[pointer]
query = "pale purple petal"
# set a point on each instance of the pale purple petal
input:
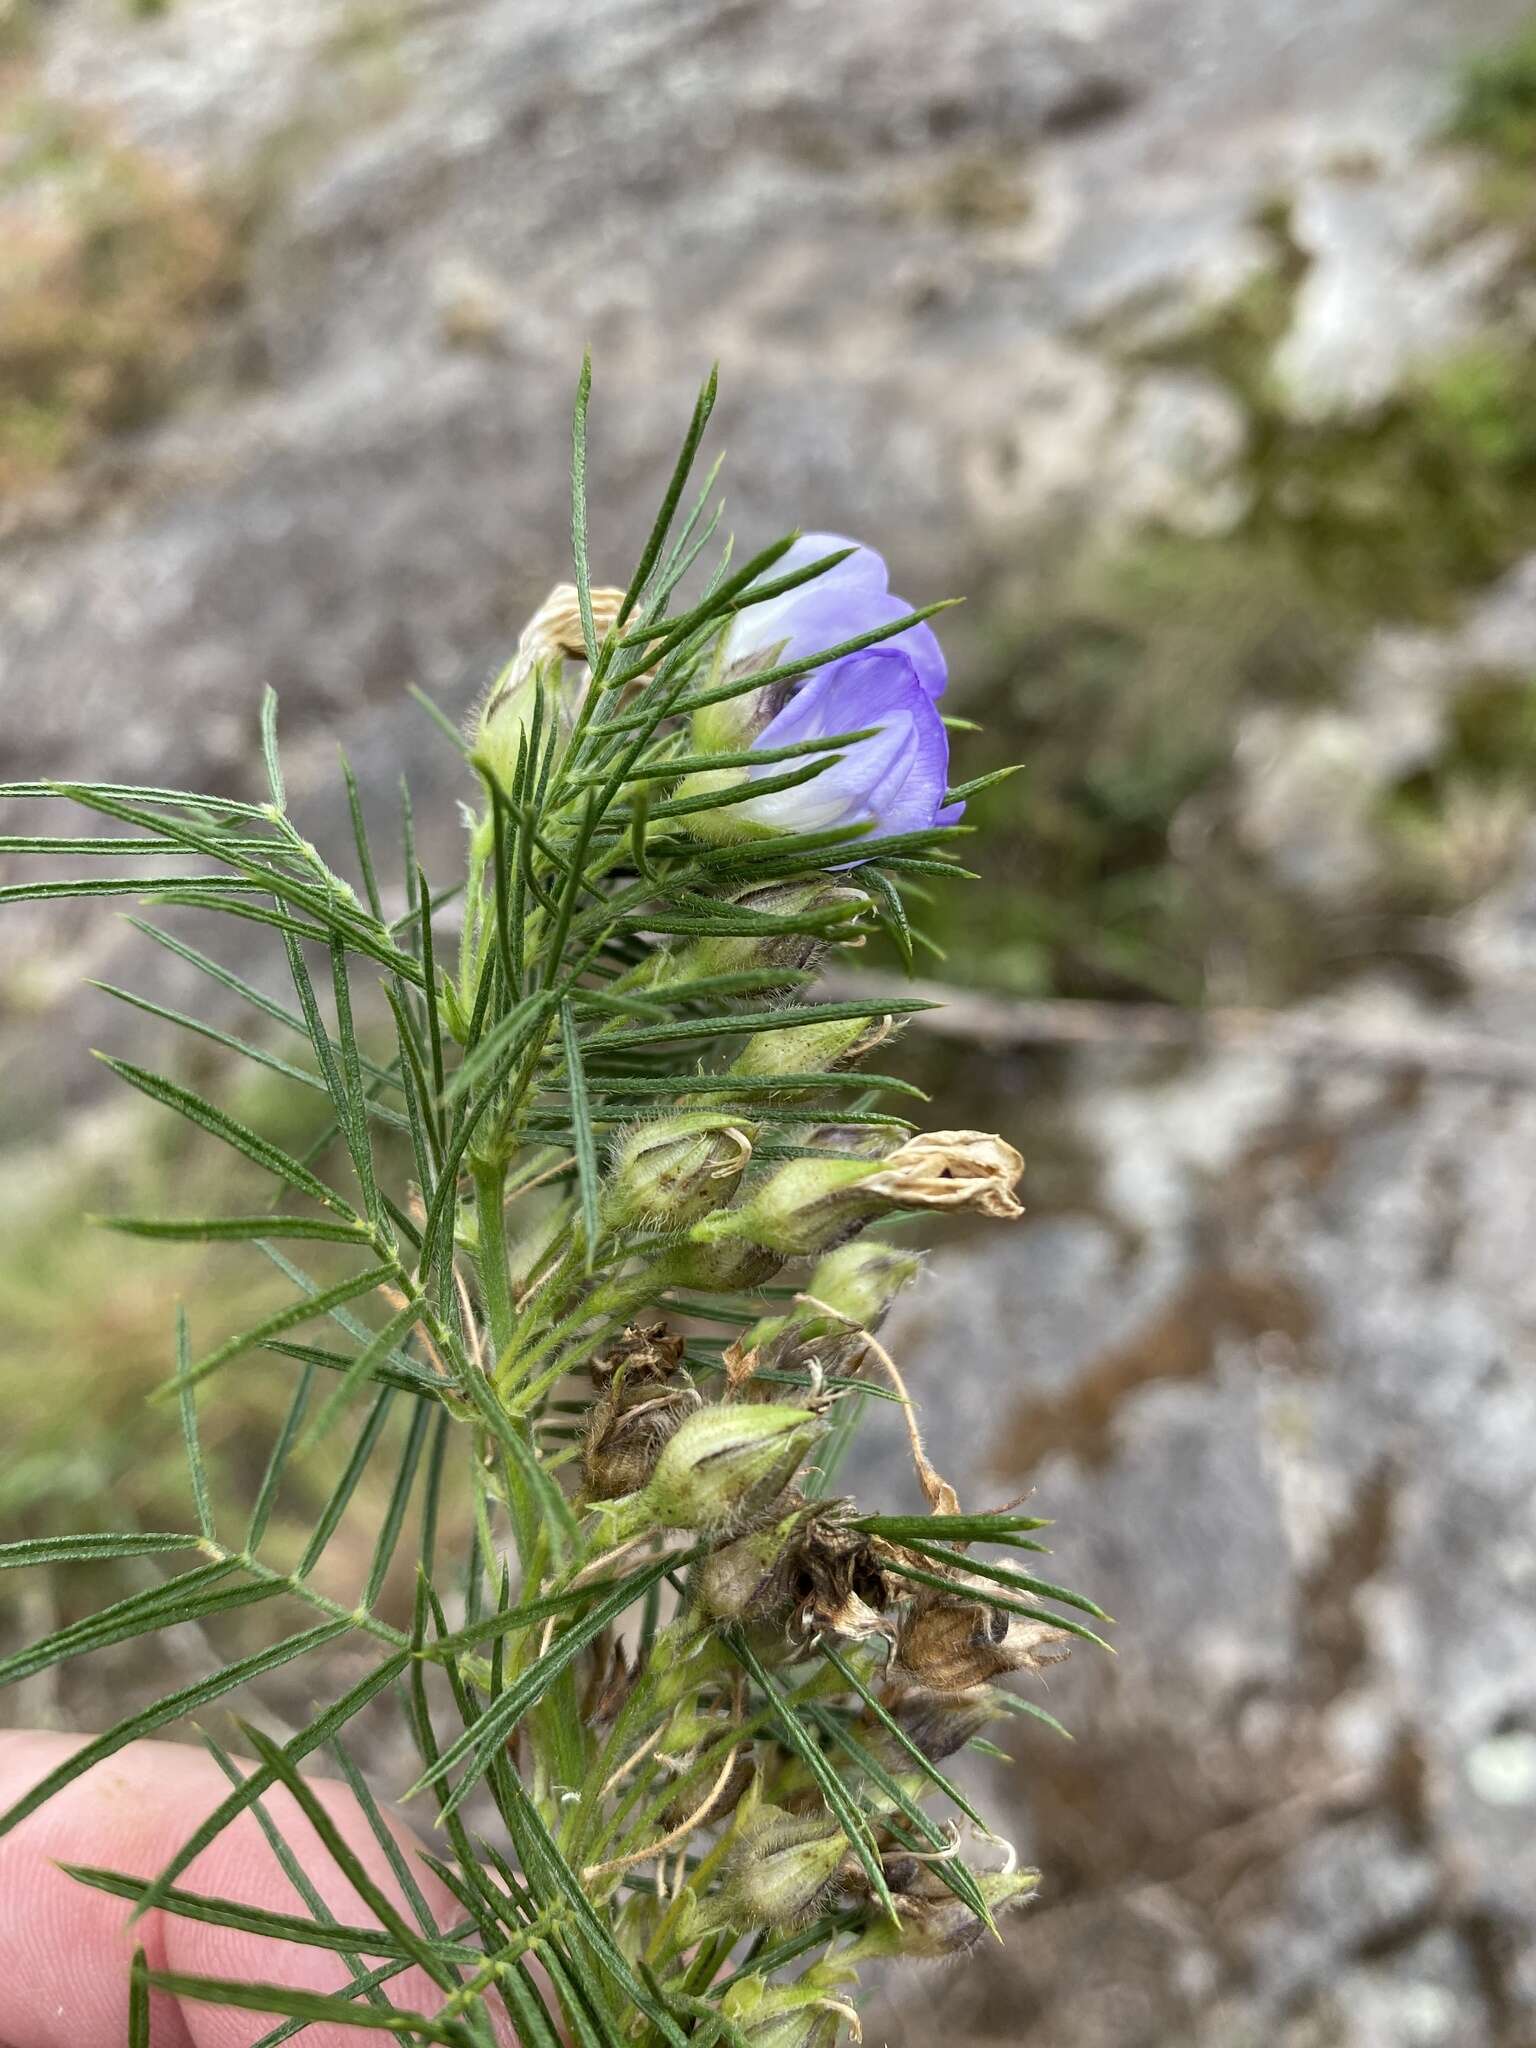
(846, 601)
(894, 780)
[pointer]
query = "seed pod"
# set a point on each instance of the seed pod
(940, 1724)
(782, 1869)
(803, 1207)
(950, 1642)
(670, 1172)
(741, 1580)
(729, 1462)
(806, 2029)
(807, 1572)
(808, 2013)
(732, 1268)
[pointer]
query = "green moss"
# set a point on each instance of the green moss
(1109, 869)
(87, 1316)
(1451, 828)
(18, 28)
(972, 193)
(113, 271)
(1496, 101)
(1395, 515)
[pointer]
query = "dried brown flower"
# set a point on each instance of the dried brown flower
(808, 1572)
(641, 1353)
(951, 1170)
(627, 1431)
(949, 1642)
(940, 1724)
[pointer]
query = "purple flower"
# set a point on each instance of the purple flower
(894, 781)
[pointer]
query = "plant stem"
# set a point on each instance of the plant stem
(490, 1179)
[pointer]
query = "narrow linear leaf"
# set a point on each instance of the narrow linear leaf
(138, 2001)
(491, 1728)
(217, 1229)
(581, 1131)
(196, 1470)
(306, 2005)
(1003, 1601)
(342, 1492)
(1006, 1575)
(360, 840)
(257, 1149)
(259, 1920)
(188, 1700)
(788, 1017)
(269, 748)
(363, 1368)
(277, 1461)
(957, 1528)
(704, 405)
(182, 1598)
(346, 1860)
(893, 1728)
(579, 508)
(539, 1850)
(322, 1730)
(32, 1550)
(839, 1801)
(277, 1325)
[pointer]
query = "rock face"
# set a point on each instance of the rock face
(1263, 1348)
(1269, 1370)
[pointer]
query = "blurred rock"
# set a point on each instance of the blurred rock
(1269, 1371)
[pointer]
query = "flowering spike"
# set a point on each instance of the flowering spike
(600, 1128)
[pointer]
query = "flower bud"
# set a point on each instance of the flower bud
(859, 1281)
(734, 722)
(552, 637)
(808, 896)
(729, 1462)
(810, 1048)
(676, 1169)
(732, 1268)
(782, 1869)
(949, 1642)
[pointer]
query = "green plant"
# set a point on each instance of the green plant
(550, 1228)
(1496, 102)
